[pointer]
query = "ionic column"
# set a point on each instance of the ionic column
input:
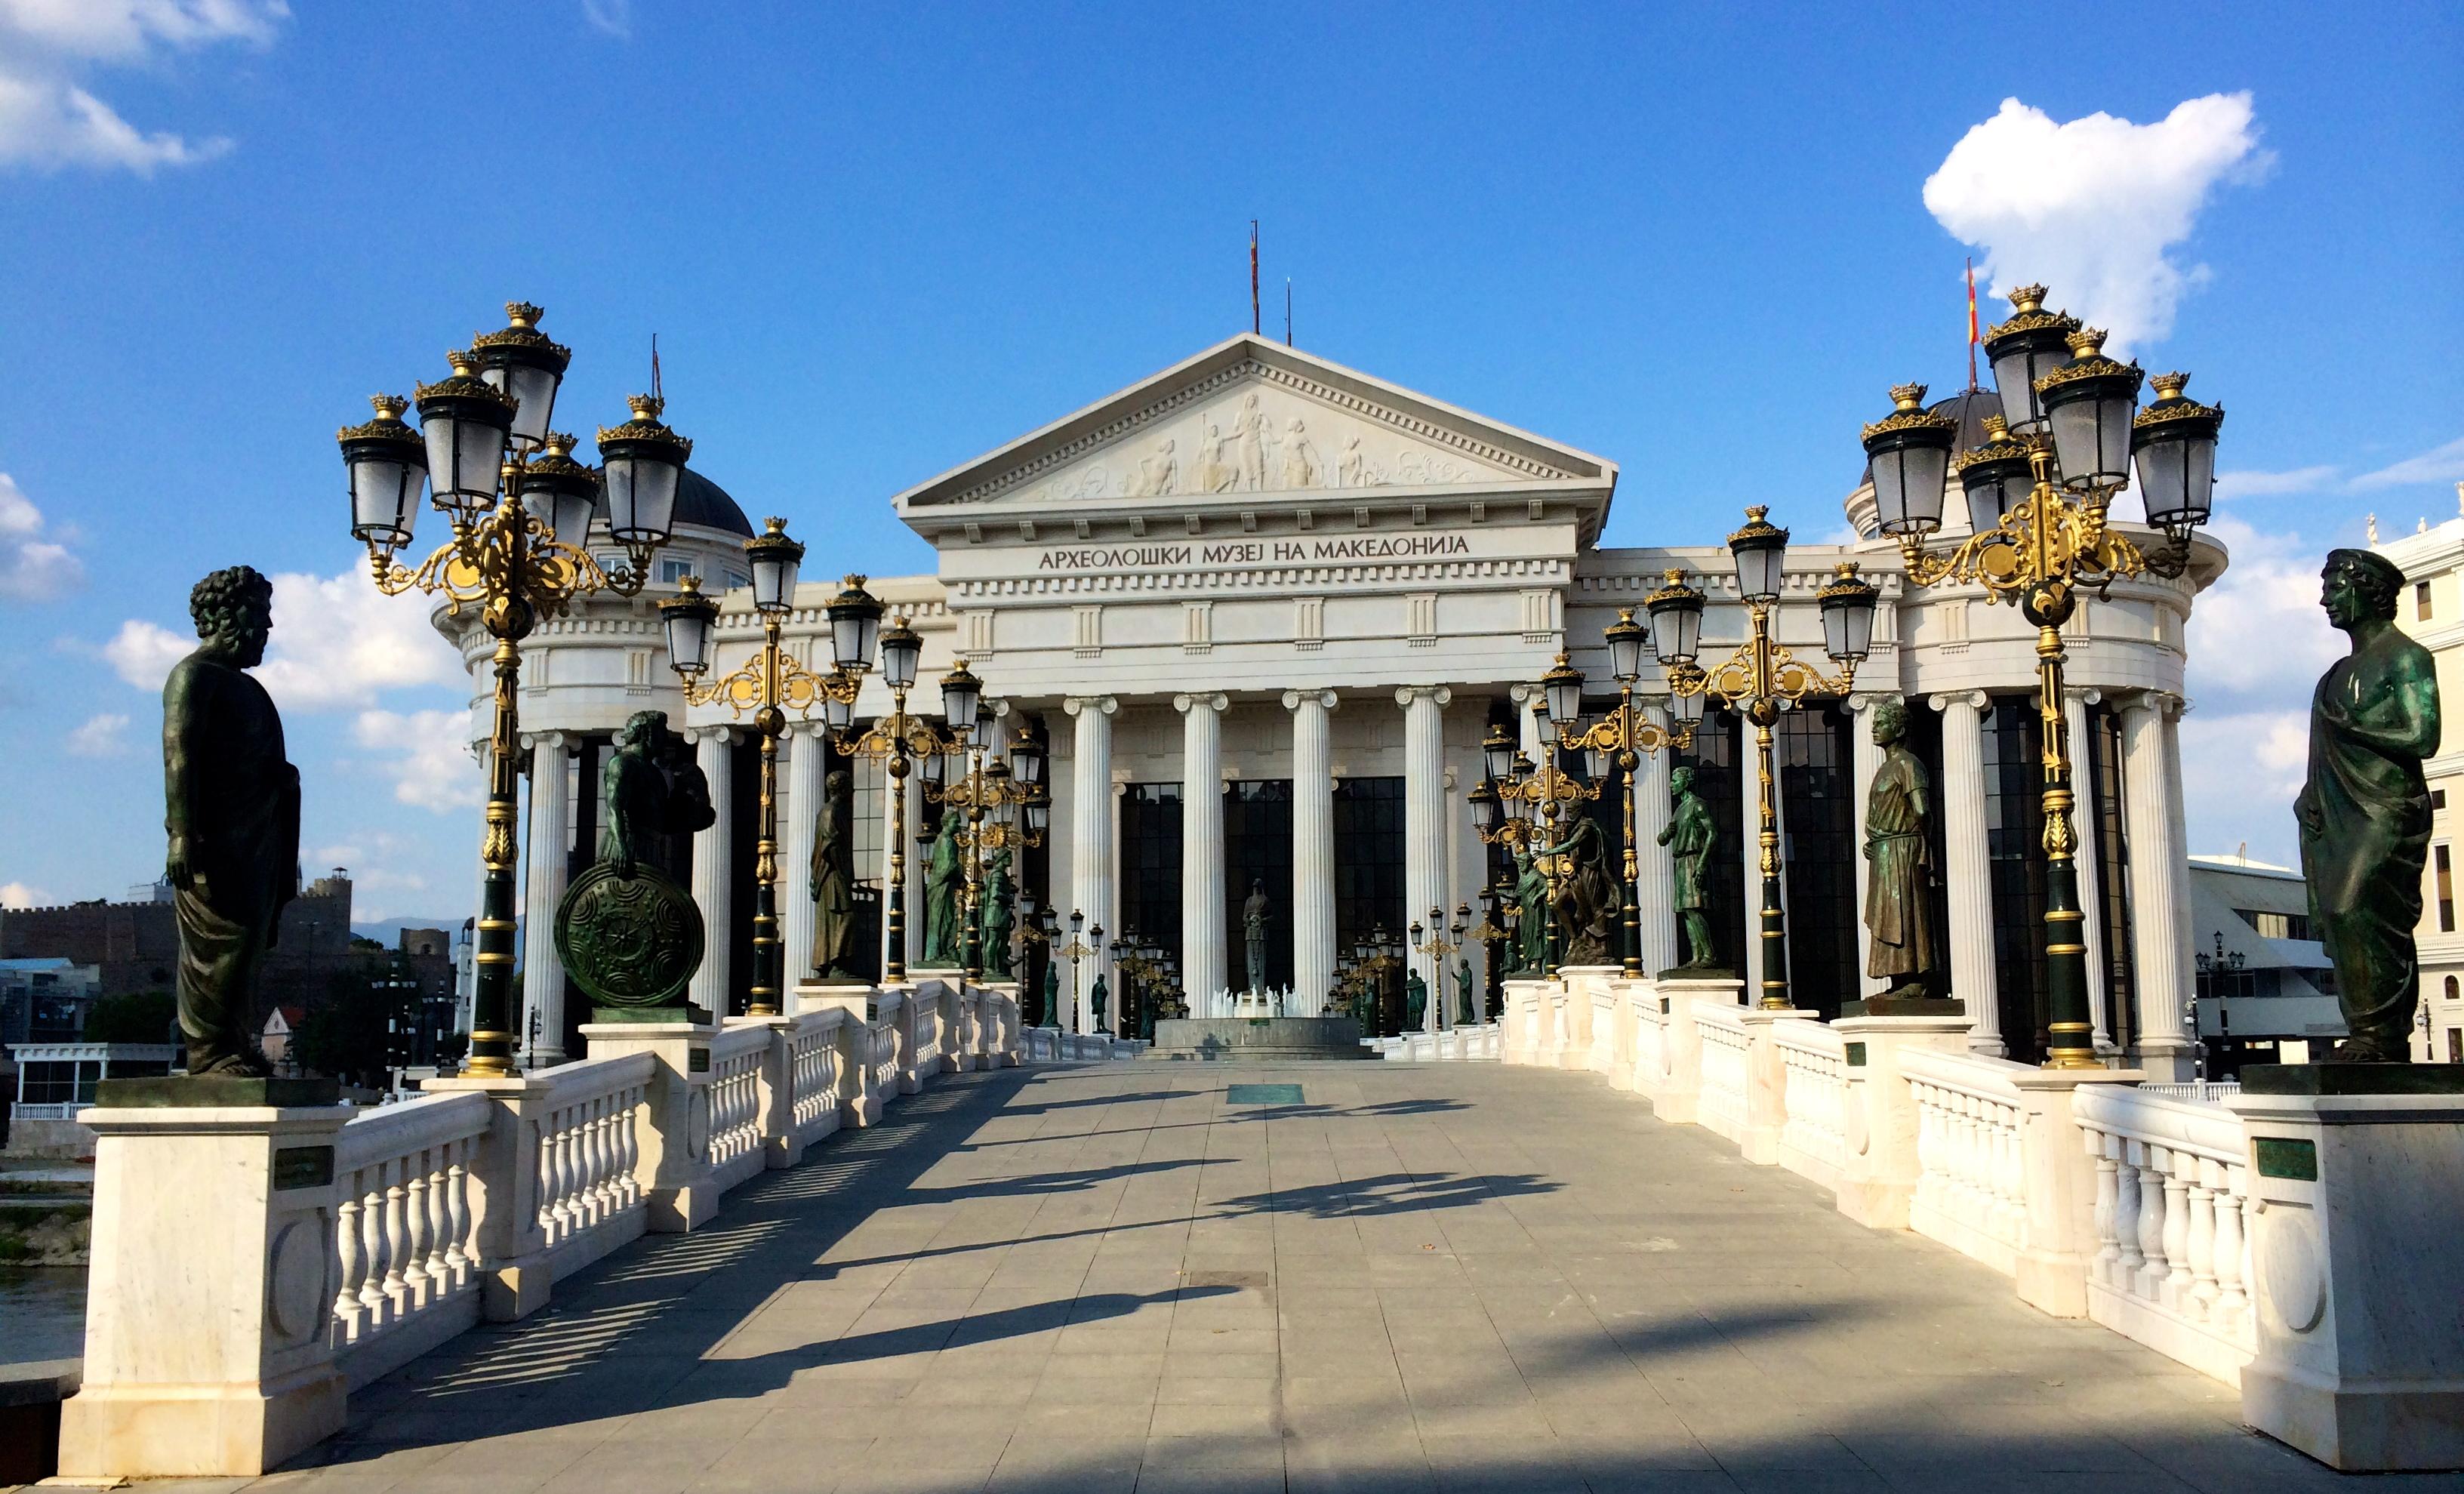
(1526, 725)
(809, 753)
(2086, 804)
(1313, 932)
(1204, 959)
(2159, 932)
(1968, 872)
(714, 862)
(542, 971)
(1091, 831)
(1655, 869)
(1868, 761)
(1424, 817)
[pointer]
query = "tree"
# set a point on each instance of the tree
(137, 1016)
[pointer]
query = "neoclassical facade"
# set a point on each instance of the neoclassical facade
(1264, 609)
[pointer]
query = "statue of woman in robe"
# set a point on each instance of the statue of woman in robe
(833, 878)
(1532, 921)
(999, 915)
(944, 888)
(1899, 910)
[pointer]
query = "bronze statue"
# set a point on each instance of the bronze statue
(1052, 1012)
(1531, 915)
(945, 878)
(1097, 995)
(1416, 1002)
(1691, 836)
(1254, 914)
(2364, 812)
(629, 934)
(1898, 911)
(1586, 904)
(231, 808)
(999, 915)
(833, 880)
(1464, 1015)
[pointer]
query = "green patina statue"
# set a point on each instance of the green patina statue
(1052, 1012)
(629, 936)
(1464, 1016)
(1097, 997)
(999, 915)
(1898, 911)
(1690, 836)
(1531, 914)
(832, 882)
(945, 885)
(231, 807)
(1416, 1002)
(2364, 812)
(1586, 906)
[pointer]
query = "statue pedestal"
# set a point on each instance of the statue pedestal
(680, 1189)
(1880, 1114)
(1930, 1007)
(1681, 1099)
(2357, 1200)
(211, 1289)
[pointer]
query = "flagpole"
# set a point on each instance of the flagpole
(1253, 276)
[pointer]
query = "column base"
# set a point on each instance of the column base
(205, 1431)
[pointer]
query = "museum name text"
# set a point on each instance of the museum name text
(1255, 552)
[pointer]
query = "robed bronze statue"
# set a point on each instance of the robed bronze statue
(998, 920)
(1899, 910)
(1585, 906)
(945, 891)
(231, 807)
(1255, 913)
(1690, 837)
(832, 882)
(2364, 812)
(629, 934)
(1530, 914)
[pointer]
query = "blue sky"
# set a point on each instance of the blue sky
(874, 242)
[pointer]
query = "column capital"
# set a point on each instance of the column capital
(1522, 694)
(1102, 705)
(2161, 702)
(1405, 694)
(1867, 699)
(2084, 695)
(1974, 699)
(1216, 701)
(1326, 700)
(532, 742)
(724, 736)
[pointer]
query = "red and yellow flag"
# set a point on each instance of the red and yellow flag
(1975, 334)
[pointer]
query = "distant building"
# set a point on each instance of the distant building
(2432, 611)
(2266, 990)
(134, 946)
(158, 890)
(276, 1039)
(57, 1080)
(46, 1000)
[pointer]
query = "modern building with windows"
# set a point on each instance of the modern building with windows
(2432, 612)
(2266, 987)
(1264, 609)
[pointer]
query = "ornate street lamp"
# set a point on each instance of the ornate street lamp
(992, 794)
(516, 554)
(1762, 679)
(2045, 481)
(893, 740)
(1434, 946)
(1626, 733)
(1076, 950)
(768, 684)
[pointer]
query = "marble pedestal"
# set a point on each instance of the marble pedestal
(681, 1191)
(1680, 1098)
(2357, 1205)
(212, 1280)
(1880, 1114)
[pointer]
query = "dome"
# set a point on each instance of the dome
(1969, 407)
(704, 502)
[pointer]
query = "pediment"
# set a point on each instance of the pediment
(1251, 417)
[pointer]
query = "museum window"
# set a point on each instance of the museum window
(1818, 829)
(1368, 860)
(2015, 831)
(1720, 777)
(1151, 832)
(2421, 600)
(2275, 925)
(2455, 1044)
(1258, 848)
(2446, 874)
(2110, 842)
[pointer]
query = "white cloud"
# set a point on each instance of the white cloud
(615, 17)
(2091, 207)
(17, 894)
(2265, 485)
(32, 568)
(430, 756)
(2257, 636)
(48, 119)
(105, 735)
(2445, 464)
(338, 643)
(2241, 772)
(143, 652)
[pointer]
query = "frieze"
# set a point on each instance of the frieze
(1177, 555)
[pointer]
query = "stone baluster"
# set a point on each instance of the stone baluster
(1967, 874)
(2153, 1232)
(2177, 1230)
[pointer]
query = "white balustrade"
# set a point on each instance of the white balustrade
(814, 1077)
(735, 1096)
(1814, 1066)
(1726, 1069)
(2204, 1090)
(588, 1152)
(404, 1233)
(2172, 1265)
(1972, 1189)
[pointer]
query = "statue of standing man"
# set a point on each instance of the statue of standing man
(1254, 915)
(2364, 812)
(231, 807)
(1690, 836)
(832, 878)
(1898, 911)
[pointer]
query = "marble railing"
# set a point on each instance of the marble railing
(1053, 1046)
(405, 1242)
(1726, 1071)
(1972, 1185)
(1814, 1060)
(368, 1239)
(1480, 1045)
(2172, 1265)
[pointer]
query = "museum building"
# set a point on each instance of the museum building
(1263, 609)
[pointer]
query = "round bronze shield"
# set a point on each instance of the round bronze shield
(628, 941)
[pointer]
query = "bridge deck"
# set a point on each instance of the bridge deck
(1444, 1277)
